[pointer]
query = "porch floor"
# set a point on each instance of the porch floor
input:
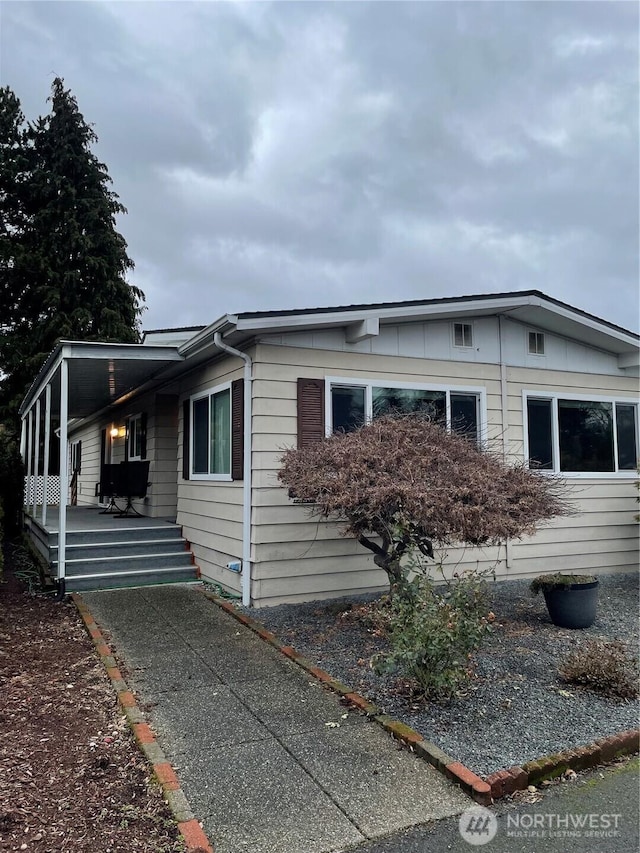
(89, 518)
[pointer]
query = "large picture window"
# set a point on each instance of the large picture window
(211, 434)
(577, 435)
(352, 403)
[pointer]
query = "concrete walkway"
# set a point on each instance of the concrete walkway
(270, 761)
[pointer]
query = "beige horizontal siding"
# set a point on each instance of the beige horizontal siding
(210, 511)
(231, 512)
(611, 561)
(90, 465)
(297, 556)
(573, 383)
(365, 365)
(338, 579)
(212, 563)
(209, 491)
(162, 423)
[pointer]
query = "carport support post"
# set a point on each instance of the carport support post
(64, 471)
(23, 456)
(23, 441)
(47, 438)
(36, 460)
(29, 459)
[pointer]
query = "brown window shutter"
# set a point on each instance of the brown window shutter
(186, 433)
(143, 435)
(310, 411)
(237, 429)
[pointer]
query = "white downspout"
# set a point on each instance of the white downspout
(47, 438)
(64, 472)
(246, 474)
(504, 397)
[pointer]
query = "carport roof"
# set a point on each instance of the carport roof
(100, 374)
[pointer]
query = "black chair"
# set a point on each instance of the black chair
(127, 480)
(132, 481)
(108, 487)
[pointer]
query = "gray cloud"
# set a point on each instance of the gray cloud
(295, 154)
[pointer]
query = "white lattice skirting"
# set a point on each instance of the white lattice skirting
(37, 487)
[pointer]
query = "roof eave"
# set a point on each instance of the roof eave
(620, 340)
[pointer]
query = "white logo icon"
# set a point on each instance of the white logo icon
(478, 825)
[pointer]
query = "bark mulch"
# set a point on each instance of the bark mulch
(71, 776)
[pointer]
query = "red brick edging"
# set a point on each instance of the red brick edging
(601, 751)
(193, 835)
(497, 785)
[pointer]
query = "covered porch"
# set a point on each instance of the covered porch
(84, 548)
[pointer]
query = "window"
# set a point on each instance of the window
(348, 407)
(536, 343)
(462, 335)
(211, 433)
(135, 437)
(351, 404)
(576, 435)
(76, 456)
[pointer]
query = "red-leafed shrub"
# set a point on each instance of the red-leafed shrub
(402, 484)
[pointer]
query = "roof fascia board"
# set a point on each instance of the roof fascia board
(44, 377)
(496, 306)
(346, 317)
(204, 339)
(133, 352)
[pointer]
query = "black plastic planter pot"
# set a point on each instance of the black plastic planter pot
(573, 606)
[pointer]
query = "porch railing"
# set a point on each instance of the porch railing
(34, 488)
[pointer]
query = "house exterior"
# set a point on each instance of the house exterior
(213, 408)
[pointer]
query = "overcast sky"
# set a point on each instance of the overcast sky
(282, 155)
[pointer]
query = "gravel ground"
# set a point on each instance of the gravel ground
(517, 708)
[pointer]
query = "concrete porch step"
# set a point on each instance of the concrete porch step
(144, 577)
(135, 547)
(126, 563)
(130, 533)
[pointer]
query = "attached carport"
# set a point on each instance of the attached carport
(77, 380)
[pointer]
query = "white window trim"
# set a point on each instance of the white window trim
(131, 420)
(208, 392)
(453, 334)
(554, 396)
(369, 384)
(544, 343)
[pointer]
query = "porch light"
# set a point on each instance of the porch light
(118, 432)
(114, 432)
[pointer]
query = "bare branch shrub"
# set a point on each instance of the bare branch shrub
(403, 484)
(604, 667)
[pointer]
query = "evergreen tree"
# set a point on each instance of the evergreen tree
(14, 152)
(64, 262)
